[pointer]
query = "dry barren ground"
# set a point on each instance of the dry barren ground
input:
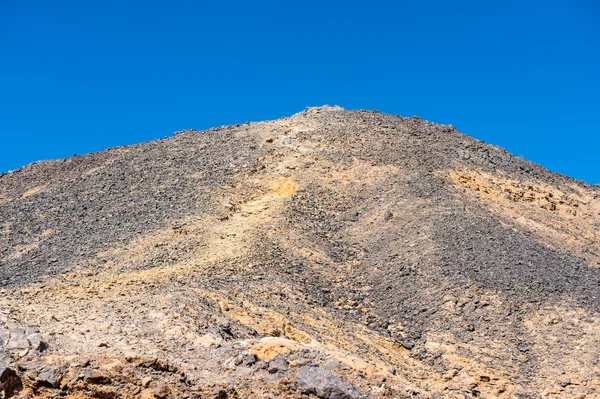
(333, 254)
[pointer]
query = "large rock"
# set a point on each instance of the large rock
(51, 376)
(37, 342)
(96, 377)
(18, 339)
(325, 385)
(278, 365)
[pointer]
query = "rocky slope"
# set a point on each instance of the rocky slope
(333, 254)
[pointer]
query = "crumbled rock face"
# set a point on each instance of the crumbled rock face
(332, 254)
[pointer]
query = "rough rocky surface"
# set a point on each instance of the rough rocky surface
(325, 385)
(332, 254)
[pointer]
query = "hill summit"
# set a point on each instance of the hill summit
(332, 254)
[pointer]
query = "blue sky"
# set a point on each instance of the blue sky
(77, 77)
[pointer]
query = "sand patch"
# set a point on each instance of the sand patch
(33, 191)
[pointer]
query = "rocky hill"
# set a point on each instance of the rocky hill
(333, 254)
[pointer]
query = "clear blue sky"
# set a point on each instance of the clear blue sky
(80, 76)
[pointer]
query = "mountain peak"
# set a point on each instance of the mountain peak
(330, 254)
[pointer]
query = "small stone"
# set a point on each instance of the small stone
(22, 353)
(4, 335)
(31, 365)
(96, 377)
(565, 383)
(331, 364)
(450, 374)
(75, 377)
(37, 342)
(161, 391)
(407, 344)
(249, 359)
(232, 362)
(273, 377)
(277, 365)
(353, 217)
(523, 347)
(18, 340)
(5, 358)
(262, 365)
(146, 381)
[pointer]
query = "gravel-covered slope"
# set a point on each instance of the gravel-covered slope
(334, 252)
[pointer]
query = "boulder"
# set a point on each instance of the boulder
(325, 385)
(37, 342)
(278, 365)
(51, 377)
(18, 340)
(96, 377)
